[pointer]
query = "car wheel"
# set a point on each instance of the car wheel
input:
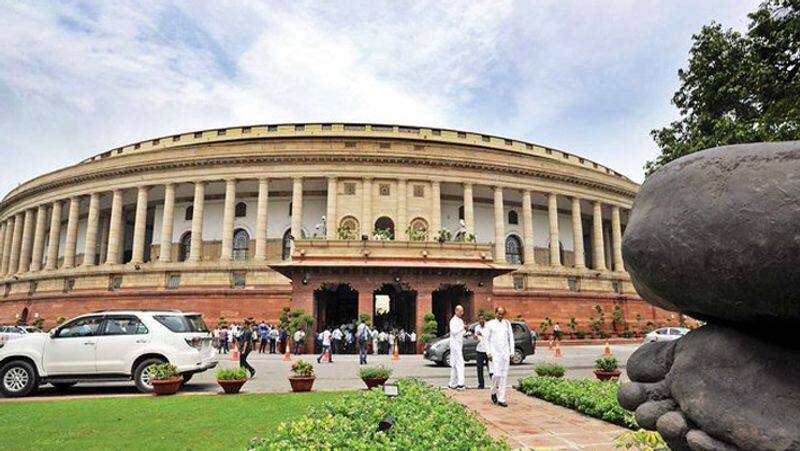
(446, 359)
(518, 357)
(18, 378)
(62, 386)
(142, 375)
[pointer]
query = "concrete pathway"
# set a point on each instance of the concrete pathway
(530, 423)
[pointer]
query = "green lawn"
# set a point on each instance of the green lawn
(177, 422)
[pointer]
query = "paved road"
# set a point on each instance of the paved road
(342, 374)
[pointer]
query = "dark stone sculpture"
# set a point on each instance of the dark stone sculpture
(716, 235)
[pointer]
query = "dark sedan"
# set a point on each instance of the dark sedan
(438, 350)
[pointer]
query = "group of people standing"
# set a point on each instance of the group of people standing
(364, 339)
(495, 348)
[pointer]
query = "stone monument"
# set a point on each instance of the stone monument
(716, 235)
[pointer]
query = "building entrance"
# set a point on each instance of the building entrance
(334, 305)
(394, 307)
(445, 300)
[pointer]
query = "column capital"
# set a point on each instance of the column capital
(332, 178)
(263, 179)
(297, 178)
(230, 180)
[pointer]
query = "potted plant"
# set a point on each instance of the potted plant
(549, 370)
(374, 376)
(302, 378)
(231, 379)
(606, 368)
(166, 379)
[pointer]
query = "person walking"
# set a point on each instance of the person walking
(412, 338)
(299, 337)
(481, 360)
(337, 336)
(374, 334)
(263, 332)
(499, 346)
(326, 346)
(457, 350)
(223, 340)
(363, 336)
(273, 340)
(245, 347)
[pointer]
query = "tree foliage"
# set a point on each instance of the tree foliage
(738, 88)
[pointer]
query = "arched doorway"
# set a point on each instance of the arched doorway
(514, 250)
(23, 317)
(184, 246)
(400, 310)
(241, 243)
(384, 228)
(445, 300)
(335, 305)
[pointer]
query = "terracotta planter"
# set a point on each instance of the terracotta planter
(300, 384)
(167, 386)
(607, 375)
(374, 381)
(231, 387)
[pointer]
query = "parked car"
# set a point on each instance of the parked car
(438, 349)
(665, 334)
(106, 346)
(11, 332)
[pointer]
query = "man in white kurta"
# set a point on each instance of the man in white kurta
(457, 350)
(499, 348)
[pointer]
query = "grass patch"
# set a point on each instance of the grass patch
(177, 422)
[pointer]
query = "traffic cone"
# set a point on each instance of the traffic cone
(327, 356)
(396, 352)
(558, 349)
(550, 345)
(288, 356)
(235, 354)
(607, 351)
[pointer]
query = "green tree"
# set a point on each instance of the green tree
(738, 88)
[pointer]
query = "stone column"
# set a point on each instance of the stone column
(27, 243)
(527, 229)
(331, 219)
(54, 237)
(499, 226)
(105, 219)
(9, 237)
(552, 214)
(90, 247)
(72, 232)
(261, 219)
(3, 228)
(196, 247)
(297, 208)
(365, 301)
(116, 229)
(616, 238)
(436, 208)
(424, 306)
(402, 210)
(469, 211)
(167, 224)
(16, 241)
(577, 234)
(228, 216)
(38, 238)
(599, 250)
(366, 207)
(140, 225)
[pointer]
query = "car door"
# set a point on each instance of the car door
(71, 348)
(120, 337)
(470, 343)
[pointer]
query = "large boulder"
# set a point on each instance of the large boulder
(716, 234)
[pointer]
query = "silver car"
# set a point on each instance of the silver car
(665, 334)
(11, 332)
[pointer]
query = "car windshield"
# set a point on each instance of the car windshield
(31, 329)
(182, 323)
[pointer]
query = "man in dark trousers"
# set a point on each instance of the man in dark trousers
(481, 359)
(245, 347)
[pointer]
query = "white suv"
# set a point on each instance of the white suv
(8, 333)
(106, 346)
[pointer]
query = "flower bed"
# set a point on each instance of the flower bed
(593, 398)
(424, 419)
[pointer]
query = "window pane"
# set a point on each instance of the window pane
(182, 324)
(125, 325)
(82, 327)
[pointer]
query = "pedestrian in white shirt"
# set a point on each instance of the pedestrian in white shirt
(374, 341)
(412, 338)
(326, 346)
(481, 359)
(499, 347)
(457, 350)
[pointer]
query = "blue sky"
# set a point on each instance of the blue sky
(592, 78)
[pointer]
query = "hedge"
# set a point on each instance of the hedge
(594, 398)
(424, 419)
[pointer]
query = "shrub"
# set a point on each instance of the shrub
(375, 372)
(163, 372)
(429, 328)
(302, 368)
(606, 363)
(232, 374)
(580, 334)
(594, 398)
(549, 370)
(424, 419)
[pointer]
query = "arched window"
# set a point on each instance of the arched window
(287, 245)
(240, 210)
(384, 227)
(514, 250)
(189, 213)
(348, 228)
(461, 212)
(418, 230)
(513, 217)
(184, 246)
(241, 242)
